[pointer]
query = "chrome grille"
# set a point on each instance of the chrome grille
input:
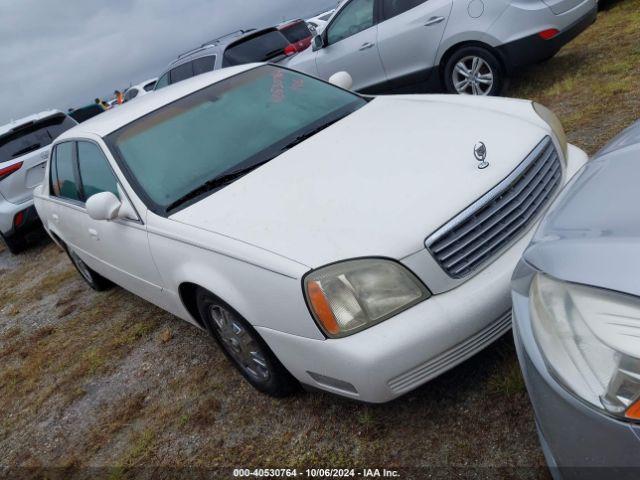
(488, 226)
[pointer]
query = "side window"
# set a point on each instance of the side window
(131, 94)
(182, 72)
(354, 18)
(95, 172)
(63, 175)
(149, 86)
(162, 82)
(393, 8)
(203, 64)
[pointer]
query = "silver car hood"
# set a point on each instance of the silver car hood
(592, 233)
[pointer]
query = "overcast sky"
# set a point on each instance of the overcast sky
(60, 54)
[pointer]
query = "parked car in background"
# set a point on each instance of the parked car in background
(237, 48)
(280, 243)
(317, 24)
(83, 114)
(140, 89)
(576, 303)
(24, 150)
(297, 33)
(470, 47)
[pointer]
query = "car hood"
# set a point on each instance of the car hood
(376, 183)
(592, 233)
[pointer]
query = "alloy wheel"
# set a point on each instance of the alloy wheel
(240, 343)
(473, 75)
(81, 266)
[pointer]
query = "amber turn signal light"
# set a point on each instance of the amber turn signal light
(322, 309)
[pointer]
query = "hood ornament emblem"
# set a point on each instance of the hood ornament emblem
(480, 152)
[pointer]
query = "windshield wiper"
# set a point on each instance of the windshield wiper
(306, 135)
(216, 183)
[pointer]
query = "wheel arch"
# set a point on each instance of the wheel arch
(187, 293)
(451, 50)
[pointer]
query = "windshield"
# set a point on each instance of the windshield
(261, 48)
(229, 126)
(33, 136)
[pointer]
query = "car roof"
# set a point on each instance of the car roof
(217, 46)
(111, 120)
(31, 118)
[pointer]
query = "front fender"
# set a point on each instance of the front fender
(264, 297)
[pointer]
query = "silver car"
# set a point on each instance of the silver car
(469, 45)
(24, 150)
(235, 48)
(576, 312)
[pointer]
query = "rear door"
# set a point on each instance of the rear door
(23, 156)
(352, 46)
(409, 36)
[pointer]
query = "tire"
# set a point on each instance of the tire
(488, 70)
(244, 347)
(90, 276)
(16, 244)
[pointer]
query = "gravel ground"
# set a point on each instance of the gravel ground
(108, 382)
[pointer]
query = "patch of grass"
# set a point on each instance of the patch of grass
(592, 84)
(11, 333)
(141, 448)
(507, 381)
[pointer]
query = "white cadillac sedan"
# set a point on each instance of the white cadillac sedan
(352, 244)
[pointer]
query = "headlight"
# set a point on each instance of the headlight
(347, 297)
(554, 122)
(590, 339)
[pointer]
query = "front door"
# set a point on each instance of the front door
(117, 249)
(352, 46)
(409, 36)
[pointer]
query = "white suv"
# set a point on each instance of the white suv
(24, 150)
(470, 46)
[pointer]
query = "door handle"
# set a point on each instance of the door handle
(94, 233)
(366, 46)
(434, 21)
(55, 217)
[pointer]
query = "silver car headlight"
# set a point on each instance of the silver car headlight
(554, 122)
(350, 296)
(590, 340)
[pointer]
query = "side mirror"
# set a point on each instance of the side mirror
(318, 43)
(342, 80)
(103, 206)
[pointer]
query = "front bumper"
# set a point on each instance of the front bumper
(404, 352)
(533, 49)
(578, 441)
(8, 212)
